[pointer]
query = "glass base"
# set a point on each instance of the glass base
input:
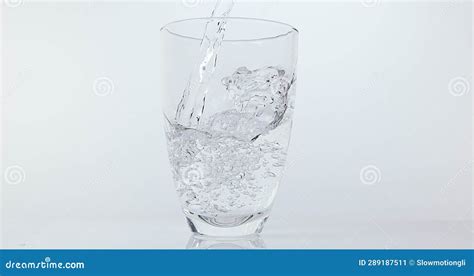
(235, 226)
(197, 241)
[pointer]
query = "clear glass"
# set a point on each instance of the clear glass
(227, 165)
(197, 241)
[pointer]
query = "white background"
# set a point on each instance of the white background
(373, 90)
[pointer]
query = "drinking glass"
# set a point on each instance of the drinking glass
(228, 161)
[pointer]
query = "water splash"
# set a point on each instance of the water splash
(193, 101)
(231, 163)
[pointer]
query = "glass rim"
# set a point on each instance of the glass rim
(291, 29)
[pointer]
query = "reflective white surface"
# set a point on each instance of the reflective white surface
(150, 234)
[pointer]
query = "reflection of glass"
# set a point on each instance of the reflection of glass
(205, 242)
(228, 159)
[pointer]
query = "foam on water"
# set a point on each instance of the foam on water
(221, 174)
(231, 163)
